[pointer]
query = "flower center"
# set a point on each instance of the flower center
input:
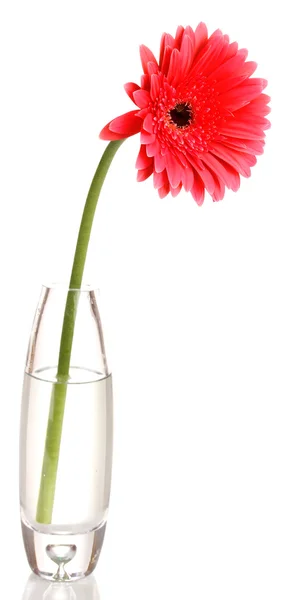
(181, 115)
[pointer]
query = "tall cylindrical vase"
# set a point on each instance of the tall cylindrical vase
(65, 438)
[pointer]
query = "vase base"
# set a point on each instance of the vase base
(62, 557)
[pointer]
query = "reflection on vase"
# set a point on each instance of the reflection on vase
(41, 589)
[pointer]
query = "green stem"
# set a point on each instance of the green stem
(58, 399)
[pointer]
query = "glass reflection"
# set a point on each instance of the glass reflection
(40, 589)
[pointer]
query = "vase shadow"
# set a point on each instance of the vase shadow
(40, 589)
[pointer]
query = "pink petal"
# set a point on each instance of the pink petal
(160, 179)
(162, 49)
(179, 36)
(154, 87)
(243, 94)
(173, 71)
(238, 160)
(163, 191)
(229, 66)
(167, 41)
(127, 124)
(249, 146)
(145, 82)
(230, 82)
(107, 134)
(219, 191)
(141, 98)
(232, 50)
(147, 138)
(130, 88)
(187, 178)
(160, 163)
(122, 127)
(241, 129)
(215, 166)
(152, 68)
(258, 106)
(211, 49)
(198, 190)
(174, 170)
(142, 113)
(189, 32)
(207, 178)
(144, 173)
(166, 60)
(154, 148)
(218, 57)
(148, 123)
(201, 37)
(186, 55)
(176, 191)
(143, 160)
(146, 57)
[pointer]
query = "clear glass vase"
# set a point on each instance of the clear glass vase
(66, 450)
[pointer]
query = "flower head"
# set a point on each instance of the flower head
(200, 114)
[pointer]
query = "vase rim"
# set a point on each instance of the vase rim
(64, 287)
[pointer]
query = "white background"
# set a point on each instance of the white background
(204, 308)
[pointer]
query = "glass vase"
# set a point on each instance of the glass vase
(66, 449)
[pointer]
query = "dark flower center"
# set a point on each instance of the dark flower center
(181, 115)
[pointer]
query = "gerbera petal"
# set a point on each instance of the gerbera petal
(154, 87)
(187, 178)
(223, 171)
(166, 60)
(219, 190)
(198, 190)
(143, 160)
(154, 148)
(164, 190)
(152, 68)
(250, 146)
(243, 94)
(128, 124)
(229, 66)
(241, 129)
(122, 127)
(189, 31)
(145, 82)
(148, 123)
(232, 50)
(174, 170)
(210, 53)
(159, 179)
(230, 82)
(107, 134)
(207, 178)
(160, 163)
(144, 173)
(130, 88)
(179, 36)
(141, 98)
(217, 58)
(258, 106)
(146, 57)
(147, 138)
(201, 37)
(239, 160)
(186, 55)
(176, 191)
(174, 66)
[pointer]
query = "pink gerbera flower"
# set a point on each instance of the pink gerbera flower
(200, 114)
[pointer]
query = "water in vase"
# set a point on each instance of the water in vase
(69, 547)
